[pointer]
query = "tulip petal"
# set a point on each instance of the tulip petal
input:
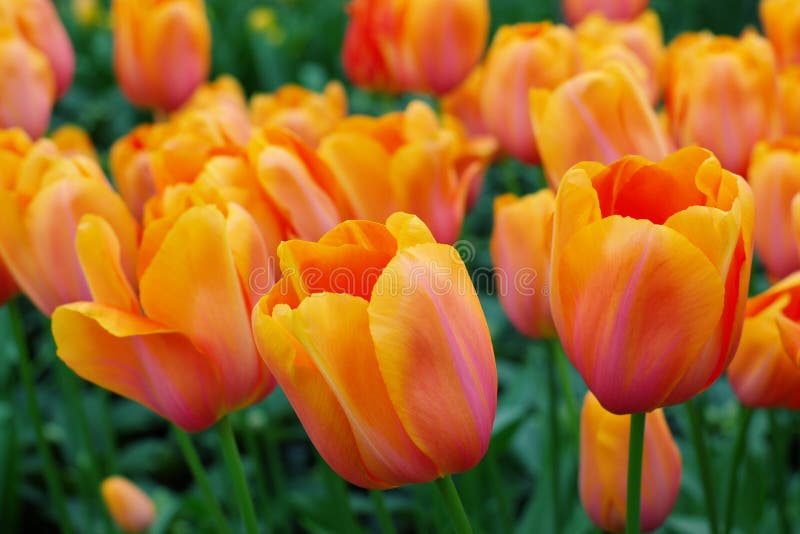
(255, 268)
(139, 359)
(408, 230)
(432, 342)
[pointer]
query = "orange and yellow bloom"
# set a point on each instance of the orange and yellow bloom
(781, 21)
(377, 337)
(130, 508)
(577, 10)
(789, 91)
(650, 270)
(604, 467)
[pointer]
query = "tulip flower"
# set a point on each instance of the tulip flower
(414, 46)
(183, 348)
(789, 90)
(464, 103)
(224, 101)
(638, 42)
(577, 10)
(522, 57)
(764, 373)
(597, 115)
(604, 468)
(41, 203)
(37, 22)
(774, 175)
(520, 247)
(781, 22)
(376, 336)
(723, 96)
(73, 140)
(410, 161)
(307, 114)
(27, 85)
(130, 508)
(650, 270)
(161, 50)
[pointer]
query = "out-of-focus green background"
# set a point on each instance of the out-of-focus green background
(299, 41)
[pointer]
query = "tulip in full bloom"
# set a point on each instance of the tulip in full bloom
(650, 270)
(765, 373)
(43, 195)
(789, 90)
(130, 508)
(183, 346)
(774, 175)
(409, 161)
(161, 50)
(781, 21)
(27, 85)
(376, 336)
(723, 95)
(520, 247)
(598, 115)
(308, 114)
(577, 10)
(604, 467)
(405, 45)
(522, 57)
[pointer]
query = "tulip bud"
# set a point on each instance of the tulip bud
(723, 96)
(764, 373)
(774, 175)
(576, 10)
(522, 57)
(604, 467)
(161, 50)
(598, 115)
(130, 508)
(377, 337)
(781, 22)
(520, 247)
(73, 140)
(650, 271)
(789, 86)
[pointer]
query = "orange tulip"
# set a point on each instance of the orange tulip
(638, 43)
(774, 175)
(42, 198)
(520, 247)
(521, 57)
(577, 10)
(161, 50)
(781, 21)
(789, 91)
(37, 22)
(724, 96)
(410, 161)
(597, 115)
(130, 508)
(464, 103)
(765, 373)
(403, 45)
(307, 114)
(604, 467)
(650, 270)
(73, 140)
(183, 348)
(27, 85)
(377, 338)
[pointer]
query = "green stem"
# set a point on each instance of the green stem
(200, 476)
(566, 385)
(635, 453)
(52, 478)
(108, 431)
(253, 451)
(701, 451)
(552, 430)
(381, 512)
(449, 493)
(499, 491)
(745, 414)
(337, 488)
(233, 461)
(779, 468)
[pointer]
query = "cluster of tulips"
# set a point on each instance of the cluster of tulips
(243, 244)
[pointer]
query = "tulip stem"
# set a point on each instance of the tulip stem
(566, 385)
(51, 476)
(233, 461)
(635, 453)
(701, 451)
(200, 476)
(381, 512)
(779, 468)
(745, 414)
(447, 488)
(552, 430)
